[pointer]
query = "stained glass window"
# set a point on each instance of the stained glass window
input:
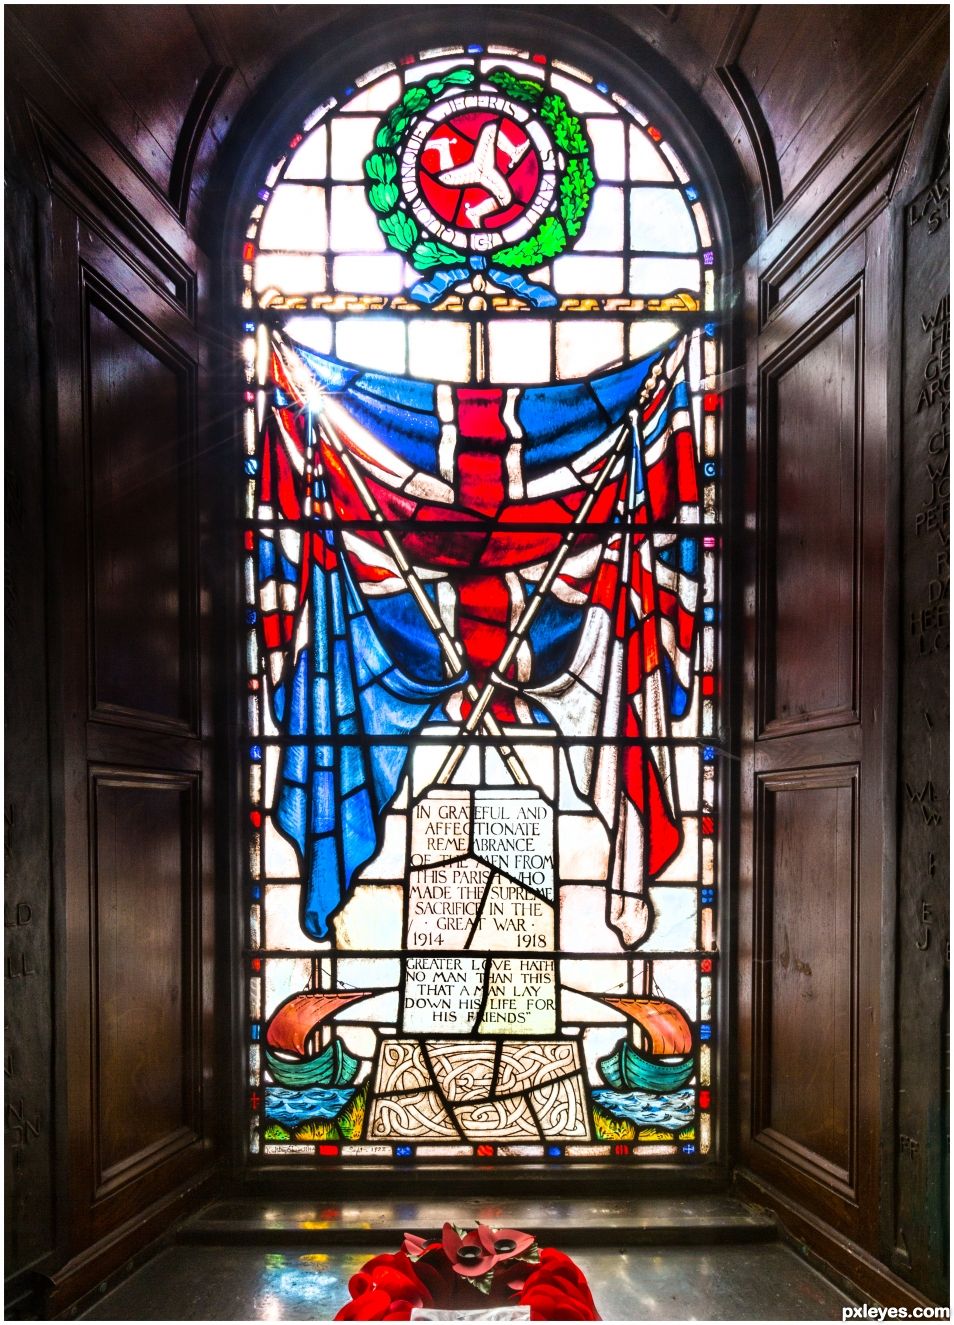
(482, 567)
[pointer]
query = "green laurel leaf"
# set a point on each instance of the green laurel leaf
(519, 89)
(383, 197)
(566, 127)
(432, 253)
(551, 237)
(546, 243)
(400, 230)
(381, 167)
(575, 189)
(415, 99)
(458, 78)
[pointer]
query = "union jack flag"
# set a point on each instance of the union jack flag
(430, 553)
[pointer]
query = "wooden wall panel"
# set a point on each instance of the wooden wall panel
(28, 960)
(817, 767)
(144, 898)
(143, 636)
(805, 1106)
(918, 1220)
(812, 75)
(135, 91)
(809, 502)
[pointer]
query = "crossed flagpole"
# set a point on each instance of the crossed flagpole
(479, 715)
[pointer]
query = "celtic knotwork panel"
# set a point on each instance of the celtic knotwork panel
(420, 1116)
(510, 1119)
(562, 1109)
(402, 1067)
(526, 1063)
(463, 1070)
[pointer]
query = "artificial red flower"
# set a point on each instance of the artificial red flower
(496, 1241)
(480, 1262)
(557, 1290)
(490, 1247)
(389, 1287)
(385, 1288)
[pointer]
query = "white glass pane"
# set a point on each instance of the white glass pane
(290, 273)
(379, 96)
(282, 918)
(609, 148)
(705, 234)
(584, 347)
(320, 112)
(351, 141)
(674, 161)
(372, 274)
(284, 976)
(519, 351)
(581, 99)
(660, 219)
(645, 161)
(296, 218)
(439, 350)
(310, 160)
(708, 298)
(354, 226)
(518, 67)
(586, 276)
(427, 69)
(674, 929)
(661, 276)
(676, 980)
(280, 859)
(648, 335)
(604, 222)
(573, 71)
(314, 332)
(372, 342)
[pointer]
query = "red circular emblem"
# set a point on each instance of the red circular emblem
(478, 170)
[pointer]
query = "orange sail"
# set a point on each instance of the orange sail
(298, 1016)
(663, 1022)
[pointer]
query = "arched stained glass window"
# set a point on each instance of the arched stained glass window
(482, 541)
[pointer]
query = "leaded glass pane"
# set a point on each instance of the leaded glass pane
(482, 567)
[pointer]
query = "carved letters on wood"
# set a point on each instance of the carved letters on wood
(923, 945)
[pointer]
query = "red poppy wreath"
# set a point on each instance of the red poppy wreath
(467, 1270)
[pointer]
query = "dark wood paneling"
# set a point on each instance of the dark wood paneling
(812, 70)
(745, 99)
(863, 1276)
(135, 90)
(28, 993)
(144, 897)
(920, 1219)
(818, 801)
(139, 465)
(134, 829)
(805, 1069)
(809, 504)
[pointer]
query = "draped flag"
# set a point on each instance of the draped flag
(404, 529)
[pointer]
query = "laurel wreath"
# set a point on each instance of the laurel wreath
(575, 179)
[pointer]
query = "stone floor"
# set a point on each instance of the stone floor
(225, 1267)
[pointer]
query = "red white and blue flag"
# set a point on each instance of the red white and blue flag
(404, 528)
